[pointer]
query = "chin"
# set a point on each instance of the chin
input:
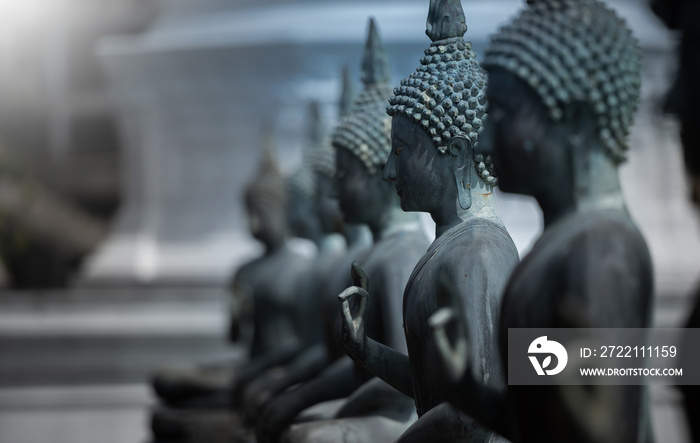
(407, 207)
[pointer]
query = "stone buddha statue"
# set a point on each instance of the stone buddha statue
(564, 79)
(362, 143)
(438, 112)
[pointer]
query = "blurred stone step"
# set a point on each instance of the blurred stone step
(109, 336)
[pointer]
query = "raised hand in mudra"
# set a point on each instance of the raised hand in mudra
(450, 340)
(350, 330)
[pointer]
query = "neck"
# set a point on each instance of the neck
(316, 237)
(330, 242)
(273, 245)
(393, 219)
(596, 186)
(555, 208)
(452, 214)
(356, 234)
(601, 186)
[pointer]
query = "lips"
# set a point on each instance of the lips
(399, 190)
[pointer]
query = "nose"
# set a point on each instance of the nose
(389, 172)
(485, 145)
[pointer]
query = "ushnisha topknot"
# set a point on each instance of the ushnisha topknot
(366, 129)
(347, 93)
(319, 156)
(267, 189)
(575, 51)
(446, 95)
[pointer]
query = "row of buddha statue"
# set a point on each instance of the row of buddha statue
(384, 336)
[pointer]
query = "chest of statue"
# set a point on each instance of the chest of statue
(592, 270)
(598, 262)
(476, 258)
(276, 302)
(419, 303)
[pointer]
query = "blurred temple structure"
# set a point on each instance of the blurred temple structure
(192, 90)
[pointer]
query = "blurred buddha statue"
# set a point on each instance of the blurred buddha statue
(684, 16)
(362, 141)
(278, 328)
(328, 275)
(324, 227)
(281, 326)
(438, 112)
(564, 79)
(265, 296)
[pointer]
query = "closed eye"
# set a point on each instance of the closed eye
(399, 149)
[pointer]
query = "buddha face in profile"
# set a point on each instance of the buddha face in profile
(266, 221)
(437, 113)
(326, 206)
(265, 202)
(519, 136)
(419, 172)
(559, 94)
(362, 195)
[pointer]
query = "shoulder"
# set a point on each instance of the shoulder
(484, 243)
(607, 264)
(608, 236)
(246, 270)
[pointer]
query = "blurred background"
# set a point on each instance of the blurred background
(127, 131)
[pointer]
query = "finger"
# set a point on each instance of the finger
(454, 358)
(443, 345)
(347, 293)
(353, 290)
(441, 318)
(359, 277)
(346, 313)
(345, 298)
(363, 303)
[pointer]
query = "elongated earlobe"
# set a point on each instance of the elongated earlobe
(464, 189)
(462, 149)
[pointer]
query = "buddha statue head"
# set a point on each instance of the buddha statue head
(437, 113)
(362, 140)
(564, 80)
(320, 158)
(301, 189)
(265, 201)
